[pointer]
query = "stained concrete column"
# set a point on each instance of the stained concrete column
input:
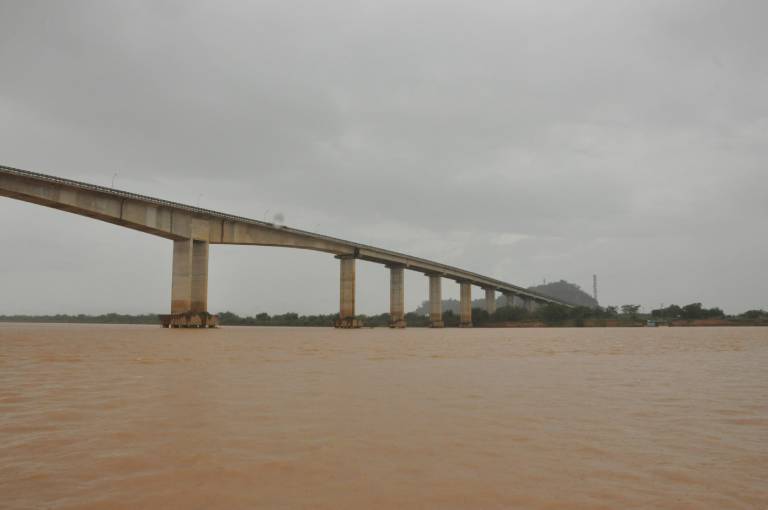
(396, 297)
(510, 300)
(490, 301)
(435, 302)
(347, 293)
(189, 287)
(199, 277)
(181, 283)
(465, 304)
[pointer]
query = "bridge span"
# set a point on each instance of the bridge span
(193, 229)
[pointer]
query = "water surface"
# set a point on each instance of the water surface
(126, 417)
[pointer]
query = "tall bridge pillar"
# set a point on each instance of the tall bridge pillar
(189, 286)
(347, 293)
(490, 301)
(510, 299)
(435, 302)
(465, 305)
(396, 296)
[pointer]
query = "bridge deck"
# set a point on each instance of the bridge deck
(9, 186)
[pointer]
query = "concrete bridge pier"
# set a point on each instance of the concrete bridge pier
(189, 286)
(465, 305)
(347, 293)
(490, 300)
(396, 296)
(510, 300)
(435, 302)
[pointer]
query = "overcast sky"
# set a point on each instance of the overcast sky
(523, 140)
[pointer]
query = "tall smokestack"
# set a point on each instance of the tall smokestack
(594, 286)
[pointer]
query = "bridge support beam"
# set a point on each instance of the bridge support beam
(347, 293)
(396, 296)
(435, 302)
(465, 305)
(510, 300)
(189, 286)
(490, 301)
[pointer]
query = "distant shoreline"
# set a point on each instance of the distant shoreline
(153, 320)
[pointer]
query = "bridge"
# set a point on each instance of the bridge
(194, 229)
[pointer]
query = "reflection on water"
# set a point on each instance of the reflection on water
(141, 417)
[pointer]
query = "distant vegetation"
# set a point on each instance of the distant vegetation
(692, 311)
(550, 315)
(286, 319)
(109, 318)
(293, 319)
(755, 315)
(559, 315)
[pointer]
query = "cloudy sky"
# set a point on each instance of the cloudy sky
(524, 140)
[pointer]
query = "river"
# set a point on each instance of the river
(126, 417)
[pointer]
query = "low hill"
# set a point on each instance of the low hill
(565, 291)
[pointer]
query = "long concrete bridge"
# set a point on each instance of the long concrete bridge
(193, 229)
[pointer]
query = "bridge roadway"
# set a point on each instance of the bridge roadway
(193, 229)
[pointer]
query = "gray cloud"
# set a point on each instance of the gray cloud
(523, 141)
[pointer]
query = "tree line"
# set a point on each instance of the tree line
(551, 315)
(690, 312)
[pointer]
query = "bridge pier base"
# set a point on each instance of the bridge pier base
(189, 320)
(465, 305)
(396, 296)
(435, 302)
(347, 294)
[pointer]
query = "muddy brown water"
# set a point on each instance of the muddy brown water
(132, 417)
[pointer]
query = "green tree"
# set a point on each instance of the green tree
(480, 316)
(509, 314)
(754, 314)
(630, 311)
(692, 311)
(554, 313)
